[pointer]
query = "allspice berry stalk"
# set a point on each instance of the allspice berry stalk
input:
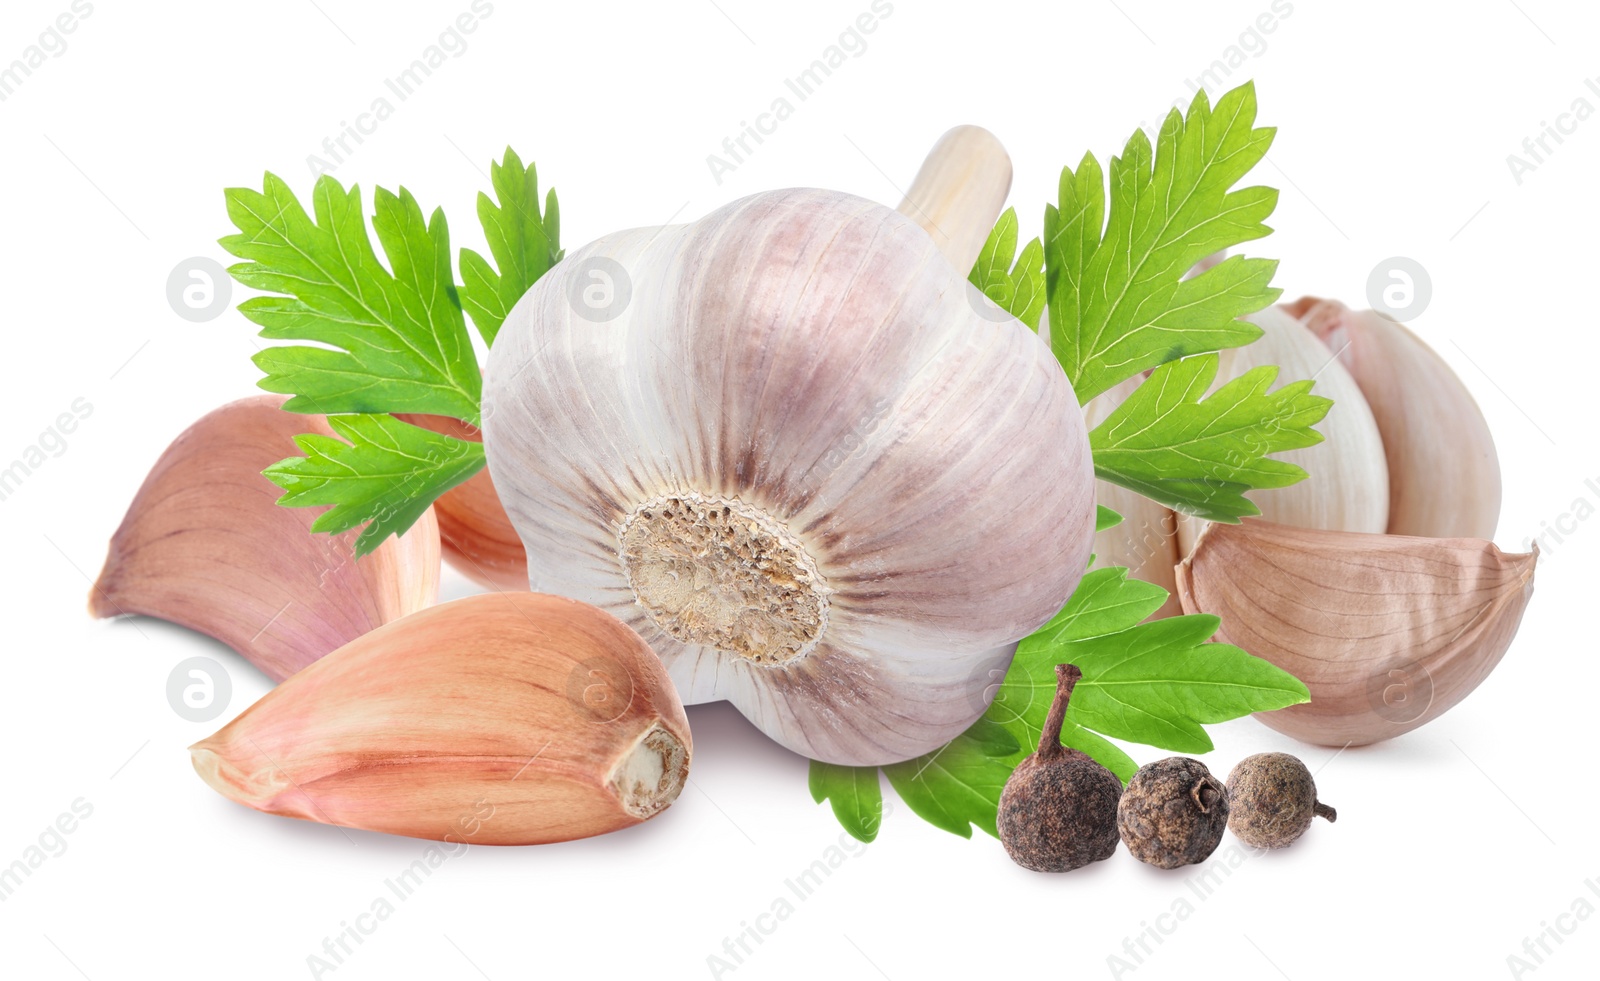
(532, 718)
(1058, 811)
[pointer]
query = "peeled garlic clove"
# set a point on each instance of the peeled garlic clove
(799, 461)
(1444, 474)
(1348, 486)
(1146, 540)
(1388, 632)
(474, 532)
(204, 545)
(499, 719)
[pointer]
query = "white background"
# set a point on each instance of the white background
(1454, 843)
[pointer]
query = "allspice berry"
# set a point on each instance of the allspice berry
(1058, 811)
(1173, 813)
(1272, 799)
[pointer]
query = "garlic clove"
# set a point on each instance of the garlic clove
(474, 532)
(1444, 474)
(498, 719)
(1387, 631)
(959, 191)
(1348, 484)
(817, 480)
(1146, 540)
(205, 545)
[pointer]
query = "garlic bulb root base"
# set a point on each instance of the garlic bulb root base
(720, 572)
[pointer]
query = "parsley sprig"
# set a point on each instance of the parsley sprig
(390, 334)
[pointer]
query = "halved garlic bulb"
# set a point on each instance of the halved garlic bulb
(791, 446)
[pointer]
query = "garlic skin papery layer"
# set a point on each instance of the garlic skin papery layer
(803, 459)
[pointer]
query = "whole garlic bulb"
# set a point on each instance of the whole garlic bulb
(802, 459)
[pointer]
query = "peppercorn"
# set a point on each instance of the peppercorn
(1272, 800)
(1173, 813)
(1058, 811)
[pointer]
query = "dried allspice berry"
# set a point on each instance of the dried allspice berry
(1058, 811)
(1173, 813)
(1272, 799)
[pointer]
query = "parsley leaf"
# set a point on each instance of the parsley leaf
(856, 794)
(398, 340)
(957, 785)
(524, 243)
(1152, 683)
(1017, 287)
(384, 473)
(1201, 454)
(1118, 301)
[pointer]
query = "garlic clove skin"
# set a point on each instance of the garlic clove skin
(799, 461)
(1444, 473)
(498, 719)
(205, 545)
(1348, 484)
(474, 532)
(1146, 540)
(1387, 631)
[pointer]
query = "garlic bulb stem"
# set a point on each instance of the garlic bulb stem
(959, 192)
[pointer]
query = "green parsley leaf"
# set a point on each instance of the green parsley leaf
(1105, 518)
(956, 786)
(524, 243)
(384, 473)
(855, 793)
(398, 340)
(1200, 455)
(1017, 287)
(1118, 301)
(1152, 683)
(1158, 682)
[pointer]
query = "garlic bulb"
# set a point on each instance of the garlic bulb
(791, 452)
(1348, 486)
(205, 545)
(1146, 540)
(1444, 474)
